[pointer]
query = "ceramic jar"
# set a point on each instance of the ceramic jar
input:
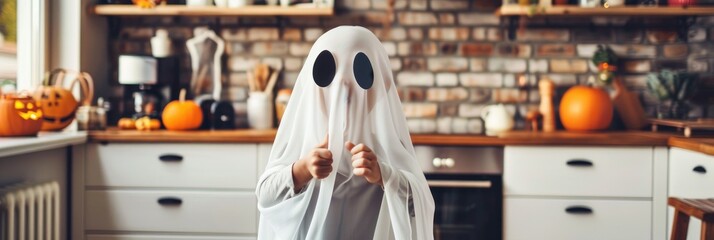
(260, 110)
(497, 119)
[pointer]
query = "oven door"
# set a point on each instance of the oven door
(467, 207)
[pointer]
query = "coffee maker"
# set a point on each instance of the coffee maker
(148, 83)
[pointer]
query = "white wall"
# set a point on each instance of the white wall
(39, 167)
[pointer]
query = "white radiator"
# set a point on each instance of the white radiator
(30, 212)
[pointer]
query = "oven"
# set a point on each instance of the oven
(467, 186)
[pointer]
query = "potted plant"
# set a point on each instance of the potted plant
(606, 61)
(673, 89)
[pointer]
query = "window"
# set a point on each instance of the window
(22, 44)
(8, 43)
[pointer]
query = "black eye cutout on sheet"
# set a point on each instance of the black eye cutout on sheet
(362, 69)
(324, 69)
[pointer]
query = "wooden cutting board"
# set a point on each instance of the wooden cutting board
(628, 106)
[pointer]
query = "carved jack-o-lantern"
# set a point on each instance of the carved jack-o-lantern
(59, 105)
(19, 115)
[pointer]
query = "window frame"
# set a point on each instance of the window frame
(32, 43)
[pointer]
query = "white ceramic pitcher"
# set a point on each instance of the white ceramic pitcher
(496, 119)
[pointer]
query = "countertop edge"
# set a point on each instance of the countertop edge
(691, 144)
(44, 141)
(515, 138)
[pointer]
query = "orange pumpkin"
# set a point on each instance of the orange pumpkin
(182, 114)
(585, 108)
(58, 102)
(19, 115)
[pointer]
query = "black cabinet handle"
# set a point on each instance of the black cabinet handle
(579, 163)
(171, 158)
(700, 169)
(579, 210)
(170, 201)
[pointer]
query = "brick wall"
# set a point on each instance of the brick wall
(450, 57)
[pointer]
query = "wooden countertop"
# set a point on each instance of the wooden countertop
(702, 145)
(511, 138)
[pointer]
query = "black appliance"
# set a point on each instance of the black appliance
(467, 186)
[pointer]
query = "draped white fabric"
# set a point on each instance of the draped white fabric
(344, 111)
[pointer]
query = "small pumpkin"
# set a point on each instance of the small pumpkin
(19, 115)
(584, 108)
(58, 103)
(182, 114)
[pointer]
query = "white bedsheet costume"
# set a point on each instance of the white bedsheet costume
(345, 91)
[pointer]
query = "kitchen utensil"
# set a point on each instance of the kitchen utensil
(271, 83)
(206, 49)
(497, 119)
(20, 115)
(628, 107)
(260, 110)
(223, 116)
(58, 103)
(546, 90)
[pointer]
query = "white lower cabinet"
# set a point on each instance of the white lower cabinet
(166, 191)
(538, 218)
(172, 211)
(691, 175)
(582, 193)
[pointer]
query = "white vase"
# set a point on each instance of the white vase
(260, 110)
(221, 3)
(239, 3)
(199, 2)
(161, 44)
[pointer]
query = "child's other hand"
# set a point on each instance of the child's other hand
(365, 163)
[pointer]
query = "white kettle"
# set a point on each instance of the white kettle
(497, 119)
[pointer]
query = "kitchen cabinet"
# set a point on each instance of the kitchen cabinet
(690, 177)
(584, 192)
(132, 191)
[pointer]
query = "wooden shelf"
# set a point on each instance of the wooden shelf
(181, 10)
(517, 10)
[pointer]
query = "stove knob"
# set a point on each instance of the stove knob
(448, 162)
(437, 162)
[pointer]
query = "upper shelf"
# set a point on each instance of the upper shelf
(181, 10)
(516, 10)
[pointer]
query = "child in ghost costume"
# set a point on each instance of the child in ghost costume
(343, 165)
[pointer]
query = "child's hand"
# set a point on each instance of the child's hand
(365, 163)
(319, 161)
(317, 164)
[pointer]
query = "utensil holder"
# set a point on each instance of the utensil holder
(260, 110)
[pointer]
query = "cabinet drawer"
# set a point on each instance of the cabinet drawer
(230, 166)
(197, 212)
(578, 171)
(691, 174)
(527, 218)
(160, 237)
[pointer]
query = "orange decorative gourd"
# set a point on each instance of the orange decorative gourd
(19, 116)
(585, 108)
(182, 114)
